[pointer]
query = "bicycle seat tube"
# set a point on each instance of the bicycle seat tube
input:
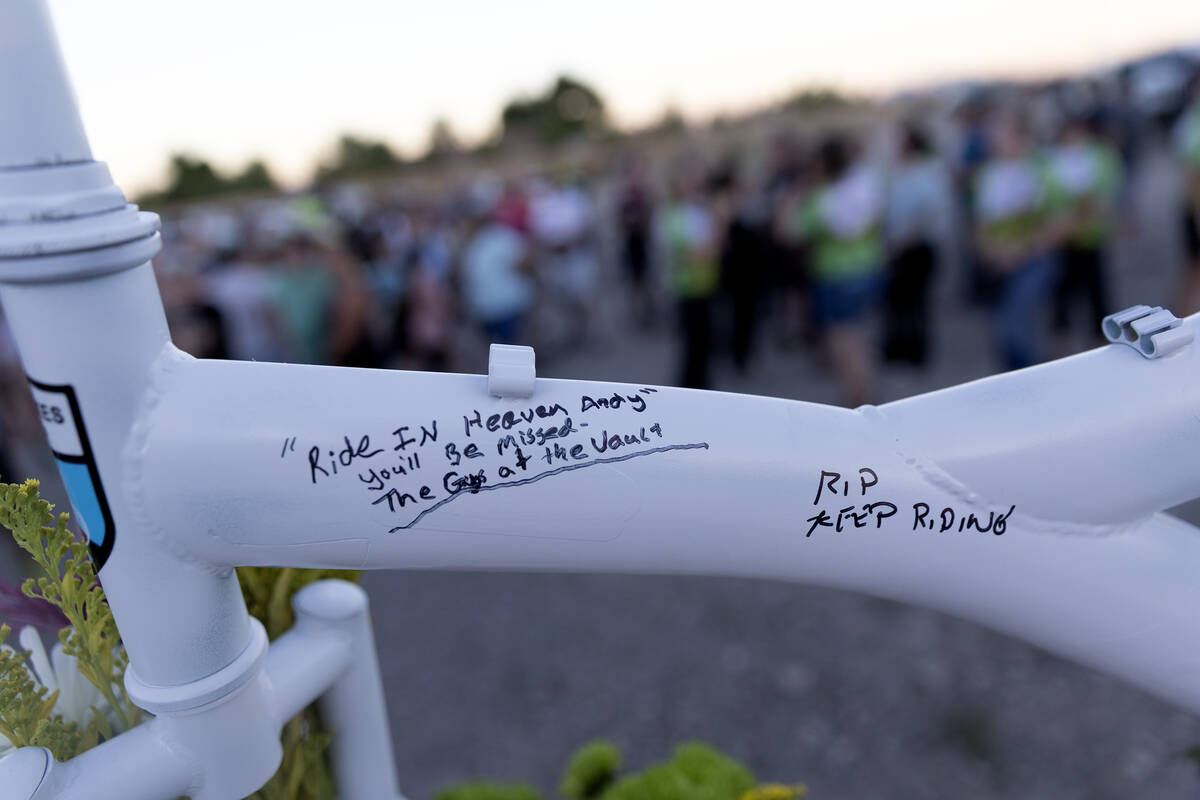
(80, 297)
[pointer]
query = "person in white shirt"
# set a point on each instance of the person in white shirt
(562, 222)
(497, 289)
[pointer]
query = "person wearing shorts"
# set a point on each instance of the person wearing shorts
(842, 225)
(1018, 214)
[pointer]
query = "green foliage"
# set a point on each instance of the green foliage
(485, 790)
(776, 791)
(304, 772)
(189, 177)
(27, 717)
(268, 592)
(68, 582)
(567, 108)
(816, 99)
(192, 178)
(591, 770)
(357, 156)
(671, 123)
(696, 772)
(254, 177)
(442, 141)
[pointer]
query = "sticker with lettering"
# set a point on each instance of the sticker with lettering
(58, 409)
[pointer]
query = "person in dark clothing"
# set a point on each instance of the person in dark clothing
(746, 255)
(689, 232)
(913, 214)
(982, 286)
(634, 213)
(789, 181)
(695, 317)
(1088, 170)
(912, 269)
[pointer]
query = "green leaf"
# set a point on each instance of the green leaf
(696, 772)
(487, 790)
(591, 770)
(68, 581)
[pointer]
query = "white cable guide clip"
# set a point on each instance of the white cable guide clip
(511, 371)
(1153, 332)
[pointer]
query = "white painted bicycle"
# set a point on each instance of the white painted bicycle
(1027, 502)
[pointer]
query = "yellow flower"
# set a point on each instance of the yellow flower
(776, 791)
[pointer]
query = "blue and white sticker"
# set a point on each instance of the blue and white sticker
(58, 409)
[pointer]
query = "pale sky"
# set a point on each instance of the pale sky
(235, 79)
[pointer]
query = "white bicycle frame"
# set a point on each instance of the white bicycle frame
(1026, 502)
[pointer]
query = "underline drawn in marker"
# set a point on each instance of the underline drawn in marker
(535, 478)
(288, 444)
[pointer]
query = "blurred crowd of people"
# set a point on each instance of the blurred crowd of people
(823, 238)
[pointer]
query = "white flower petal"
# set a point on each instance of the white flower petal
(77, 694)
(31, 641)
(67, 674)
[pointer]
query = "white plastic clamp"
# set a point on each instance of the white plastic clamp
(1153, 332)
(511, 371)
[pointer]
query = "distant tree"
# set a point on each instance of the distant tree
(722, 120)
(671, 121)
(816, 99)
(189, 177)
(358, 156)
(567, 108)
(442, 141)
(255, 177)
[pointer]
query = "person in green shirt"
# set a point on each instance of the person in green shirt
(840, 223)
(1019, 222)
(1087, 170)
(688, 232)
